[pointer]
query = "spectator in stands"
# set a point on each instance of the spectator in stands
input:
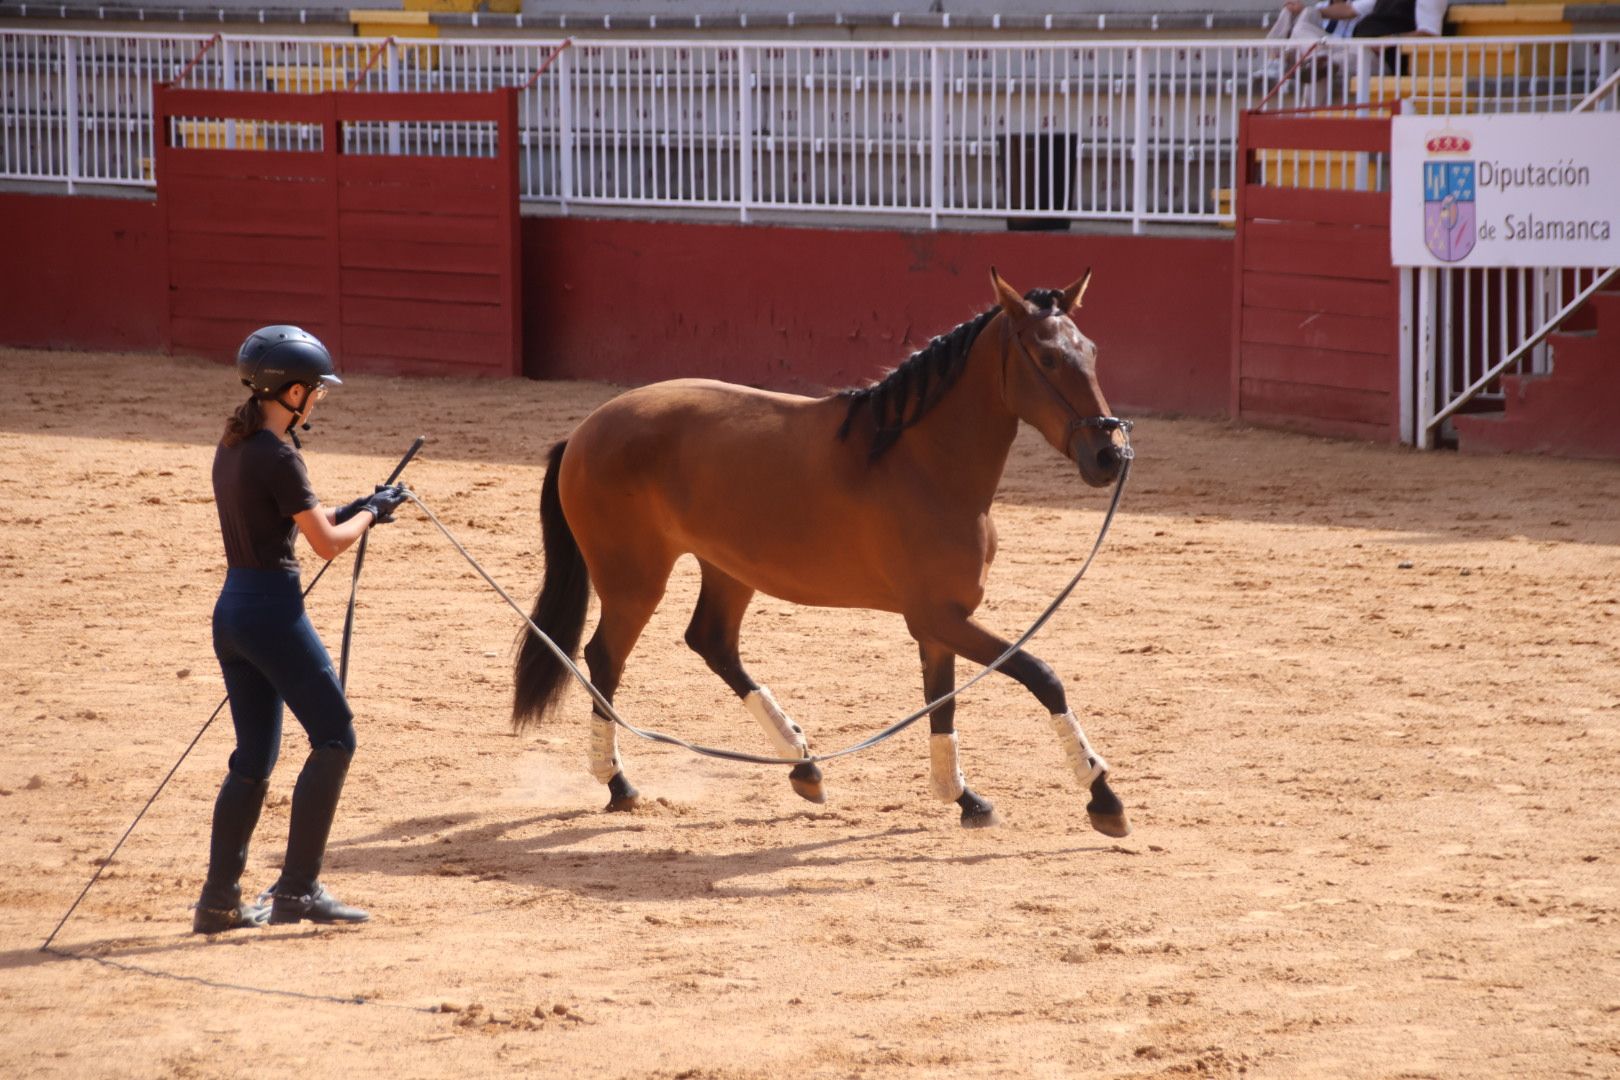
(1302, 22)
(1298, 21)
(268, 651)
(1306, 22)
(1360, 18)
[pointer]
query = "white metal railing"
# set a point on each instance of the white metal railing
(1474, 326)
(1117, 130)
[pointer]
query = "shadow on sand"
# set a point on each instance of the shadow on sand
(558, 851)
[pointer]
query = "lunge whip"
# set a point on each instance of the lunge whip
(46, 947)
(359, 561)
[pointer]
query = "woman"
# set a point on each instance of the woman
(267, 649)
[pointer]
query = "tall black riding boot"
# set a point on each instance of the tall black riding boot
(236, 812)
(299, 894)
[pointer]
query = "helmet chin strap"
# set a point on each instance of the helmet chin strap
(298, 415)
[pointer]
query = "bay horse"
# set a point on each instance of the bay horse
(877, 497)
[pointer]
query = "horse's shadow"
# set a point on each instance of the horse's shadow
(545, 851)
(554, 856)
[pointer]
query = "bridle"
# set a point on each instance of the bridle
(1077, 423)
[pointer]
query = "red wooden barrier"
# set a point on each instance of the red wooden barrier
(400, 264)
(1316, 303)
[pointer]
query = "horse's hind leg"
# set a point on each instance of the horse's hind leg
(967, 638)
(713, 635)
(945, 773)
(626, 607)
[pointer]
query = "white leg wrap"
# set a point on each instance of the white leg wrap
(786, 736)
(1086, 762)
(604, 749)
(944, 773)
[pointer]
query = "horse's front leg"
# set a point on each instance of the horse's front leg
(965, 637)
(944, 770)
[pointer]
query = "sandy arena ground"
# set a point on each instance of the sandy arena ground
(1363, 704)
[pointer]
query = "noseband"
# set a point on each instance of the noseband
(1077, 423)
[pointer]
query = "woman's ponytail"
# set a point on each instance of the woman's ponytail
(247, 419)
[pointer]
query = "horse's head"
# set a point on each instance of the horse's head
(1049, 380)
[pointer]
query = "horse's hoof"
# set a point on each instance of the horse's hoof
(1114, 825)
(1106, 811)
(806, 781)
(977, 813)
(622, 796)
(988, 819)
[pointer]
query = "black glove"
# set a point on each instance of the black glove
(381, 504)
(349, 509)
(385, 500)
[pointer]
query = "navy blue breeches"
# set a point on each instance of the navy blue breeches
(270, 656)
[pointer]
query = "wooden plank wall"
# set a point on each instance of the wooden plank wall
(1316, 306)
(249, 235)
(400, 264)
(429, 250)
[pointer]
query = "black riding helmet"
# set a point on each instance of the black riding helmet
(275, 357)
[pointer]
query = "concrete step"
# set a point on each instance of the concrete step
(1581, 354)
(306, 78)
(1507, 20)
(1570, 412)
(1462, 60)
(393, 24)
(1605, 309)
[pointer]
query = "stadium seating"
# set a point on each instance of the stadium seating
(425, 18)
(211, 135)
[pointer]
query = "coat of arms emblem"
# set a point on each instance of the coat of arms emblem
(1448, 197)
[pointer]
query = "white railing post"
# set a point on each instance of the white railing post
(1549, 288)
(936, 137)
(565, 128)
(1363, 96)
(70, 112)
(1363, 73)
(1139, 170)
(393, 59)
(1408, 366)
(745, 131)
(1424, 439)
(227, 64)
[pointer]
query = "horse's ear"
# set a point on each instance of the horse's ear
(1072, 295)
(1014, 305)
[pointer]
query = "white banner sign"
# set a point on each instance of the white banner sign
(1519, 190)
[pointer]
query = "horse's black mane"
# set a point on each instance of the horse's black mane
(922, 378)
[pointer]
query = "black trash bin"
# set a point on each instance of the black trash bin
(1037, 173)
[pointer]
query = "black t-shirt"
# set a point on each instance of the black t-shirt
(1387, 19)
(259, 484)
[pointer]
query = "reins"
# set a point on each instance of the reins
(605, 707)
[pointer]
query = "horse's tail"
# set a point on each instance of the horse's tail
(559, 610)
